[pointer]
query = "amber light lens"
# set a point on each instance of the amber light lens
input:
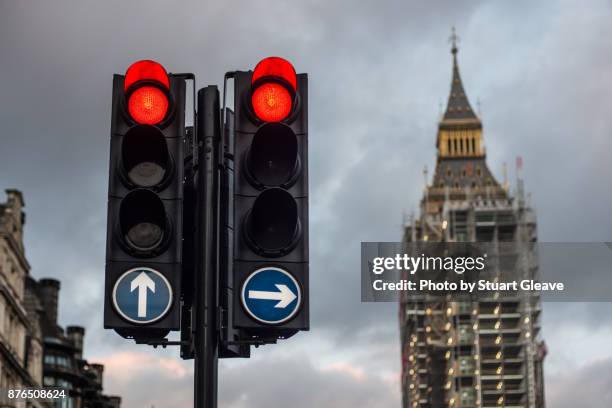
(272, 102)
(148, 105)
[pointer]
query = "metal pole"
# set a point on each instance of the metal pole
(206, 302)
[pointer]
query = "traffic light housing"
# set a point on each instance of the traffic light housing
(145, 203)
(268, 225)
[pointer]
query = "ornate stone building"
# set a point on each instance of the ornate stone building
(34, 350)
(64, 365)
(21, 344)
(483, 352)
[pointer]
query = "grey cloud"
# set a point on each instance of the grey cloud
(298, 382)
(588, 386)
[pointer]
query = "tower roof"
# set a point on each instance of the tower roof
(458, 106)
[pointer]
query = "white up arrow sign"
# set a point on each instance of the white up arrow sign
(284, 296)
(142, 282)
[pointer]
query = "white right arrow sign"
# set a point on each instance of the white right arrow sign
(284, 296)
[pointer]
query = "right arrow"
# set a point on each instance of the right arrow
(142, 282)
(285, 296)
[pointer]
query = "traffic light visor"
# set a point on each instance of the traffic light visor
(146, 70)
(275, 67)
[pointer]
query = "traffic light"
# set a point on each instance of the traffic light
(269, 216)
(145, 203)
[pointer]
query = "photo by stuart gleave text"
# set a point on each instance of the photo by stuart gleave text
(461, 270)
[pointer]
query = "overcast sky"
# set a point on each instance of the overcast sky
(378, 73)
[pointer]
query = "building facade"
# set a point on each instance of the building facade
(483, 352)
(35, 351)
(64, 365)
(21, 343)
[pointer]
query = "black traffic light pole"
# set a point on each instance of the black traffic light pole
(206, 274)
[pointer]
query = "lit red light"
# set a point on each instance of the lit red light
(275, 67)
(148, 105)
(146, 70)
(274, 84)
(272, 102)
(144, 85)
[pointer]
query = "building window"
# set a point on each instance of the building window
(63, 361)
(60, 382)
(64, 403)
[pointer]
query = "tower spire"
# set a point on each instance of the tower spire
(458, 106)
(454, 39)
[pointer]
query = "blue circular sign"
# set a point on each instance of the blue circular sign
(142, 295)
(271, 295)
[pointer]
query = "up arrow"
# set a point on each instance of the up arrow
(284, 296)
(142, 282)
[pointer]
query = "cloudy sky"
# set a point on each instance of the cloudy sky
(378, 74)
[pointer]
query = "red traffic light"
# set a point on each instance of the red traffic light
(146, 85)
(148, 105)
(275, 67)
(272, 102)
(274, 83)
